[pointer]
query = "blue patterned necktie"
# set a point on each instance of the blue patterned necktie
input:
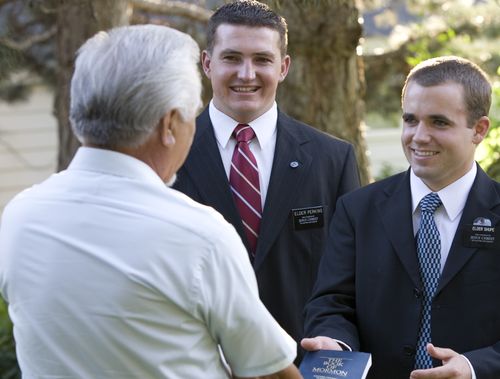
(429, 257)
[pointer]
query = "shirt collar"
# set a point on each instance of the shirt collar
(264, 126)
(452, 196)
(113, 163)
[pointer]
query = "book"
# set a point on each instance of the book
(335, 364)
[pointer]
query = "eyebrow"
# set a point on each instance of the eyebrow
(264, 53)
(432, 116)
(439, 117)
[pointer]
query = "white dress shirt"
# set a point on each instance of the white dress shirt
(262, 146)
(110, 274)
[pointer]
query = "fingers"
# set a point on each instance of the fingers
(454, 365)
(319, 343)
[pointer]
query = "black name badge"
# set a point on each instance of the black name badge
(486, 237)
(308, 218)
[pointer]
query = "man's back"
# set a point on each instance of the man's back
(105, 264)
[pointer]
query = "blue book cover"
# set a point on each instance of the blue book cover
(335, 364)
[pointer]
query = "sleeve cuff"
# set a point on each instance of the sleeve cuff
(471, 368)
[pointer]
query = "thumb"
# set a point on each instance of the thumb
(319, 343)
(440, 353)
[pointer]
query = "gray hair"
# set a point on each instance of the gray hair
(128, 78)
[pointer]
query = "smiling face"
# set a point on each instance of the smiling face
(245, 68)
(437, 140)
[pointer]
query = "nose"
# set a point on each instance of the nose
(246, 71)
(421, 133)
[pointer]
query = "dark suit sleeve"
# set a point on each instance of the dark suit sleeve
(486, 362)
(331, 309)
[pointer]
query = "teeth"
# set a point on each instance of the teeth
(244, 89)
(424, 153)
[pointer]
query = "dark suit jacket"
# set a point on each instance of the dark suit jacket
(286, 260)
(369, 291)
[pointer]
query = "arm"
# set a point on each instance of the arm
(252, 342)
(331, 310)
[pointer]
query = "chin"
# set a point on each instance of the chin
(170, 182)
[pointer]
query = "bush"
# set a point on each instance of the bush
(488, 154)
(8, 362)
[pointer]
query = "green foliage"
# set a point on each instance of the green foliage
(8, 363)
(488, 153)
(454, 28)
(438, 27)
(422, 48)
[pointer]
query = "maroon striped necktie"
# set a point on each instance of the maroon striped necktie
(244, 182)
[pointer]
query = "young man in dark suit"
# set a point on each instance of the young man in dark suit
(419, 286)
(279, 188)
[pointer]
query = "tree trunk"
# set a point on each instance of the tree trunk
(77, 20)
(325, 85)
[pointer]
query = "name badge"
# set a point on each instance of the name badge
(308, 218)
(480, 236)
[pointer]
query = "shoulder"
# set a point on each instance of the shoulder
(486, 189)
(207, 227)
(382, 188)
(46, 189)
(202, 219)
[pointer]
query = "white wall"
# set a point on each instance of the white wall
(385, 149)
(28, 144)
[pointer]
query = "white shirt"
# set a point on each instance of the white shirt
(447, 217)
(262, 146)
(110, 274)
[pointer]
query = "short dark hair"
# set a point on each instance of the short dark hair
(446, 69)
(249, 13)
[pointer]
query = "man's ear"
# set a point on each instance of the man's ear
(166, 123)
(480, 128)
(285, 66)
(205, 62)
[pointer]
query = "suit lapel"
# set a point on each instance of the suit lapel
(206, 169)
(482, 198)
(284, 185)
(396, 216)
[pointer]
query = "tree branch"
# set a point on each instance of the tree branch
(30, 41)
(174, 8)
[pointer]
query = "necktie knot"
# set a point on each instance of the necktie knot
(243, 133)
(430, 203)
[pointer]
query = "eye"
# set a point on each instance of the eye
(409, 119)
(440, 123)
(263, 60)
(230, 58)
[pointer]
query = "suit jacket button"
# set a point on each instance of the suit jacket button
(409, 350)
(417, 293)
